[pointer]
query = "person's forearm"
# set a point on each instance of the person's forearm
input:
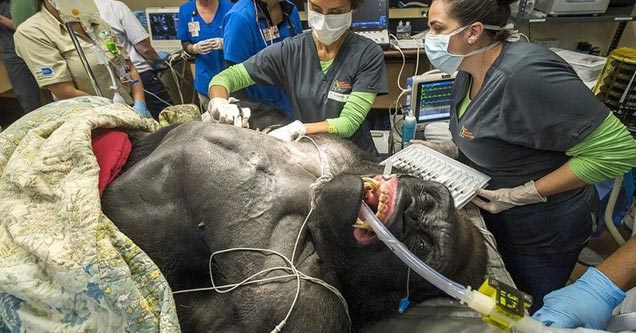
(620, 267)
(219, 91)
(146, 50)
(557, 181)
(137, 87)
(188, 47)
(65, 90)
(7, 22)
(317, 128)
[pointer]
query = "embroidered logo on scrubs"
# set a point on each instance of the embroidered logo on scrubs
(339, 91)
(42, 73)
(342, 85)
(465, 133)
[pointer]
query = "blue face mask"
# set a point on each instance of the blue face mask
(436, 47)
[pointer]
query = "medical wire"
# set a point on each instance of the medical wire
(397, 47)
(80, 51)
(417, 60)
(174, 77)
(408, 282)
(325, 176)
(157, 97)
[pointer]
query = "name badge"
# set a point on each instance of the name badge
(338, 96)
(271, 33)
(194, 28)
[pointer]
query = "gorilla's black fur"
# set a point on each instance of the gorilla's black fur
(196, 188)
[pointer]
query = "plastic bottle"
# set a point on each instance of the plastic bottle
(406, 105)
(399, 30)
(407, 30)
(408, 129)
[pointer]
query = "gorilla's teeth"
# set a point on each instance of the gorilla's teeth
(381, 207)
(370, 181)
(384, 197)
(362, 225)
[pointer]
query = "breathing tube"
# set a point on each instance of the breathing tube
(476, 300)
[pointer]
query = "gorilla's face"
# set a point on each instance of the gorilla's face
(421, 214)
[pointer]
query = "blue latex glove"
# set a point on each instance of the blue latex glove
(163, 55)
(159, 64)
(586, 303)
(140, 107)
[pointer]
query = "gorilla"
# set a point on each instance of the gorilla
(190, 190)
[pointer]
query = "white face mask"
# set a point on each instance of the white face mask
(436, 47)
(328, 28)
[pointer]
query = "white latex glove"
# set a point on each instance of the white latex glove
(289, 132)
(225, 112)
(217, 43)
(203, 47)
(446, 147)
(506, 198)
(214, 105)
(246, 117)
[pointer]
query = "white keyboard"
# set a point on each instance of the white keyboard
(428, 164)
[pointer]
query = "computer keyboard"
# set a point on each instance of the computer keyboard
(428, 164)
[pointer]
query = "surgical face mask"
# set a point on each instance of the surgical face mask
(436, 47)
(328, 28)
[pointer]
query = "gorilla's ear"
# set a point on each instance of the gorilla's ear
(265, 116)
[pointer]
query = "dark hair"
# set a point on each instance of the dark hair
(490, 12)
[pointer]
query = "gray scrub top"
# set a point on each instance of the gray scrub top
(293, 65)
(531, 108)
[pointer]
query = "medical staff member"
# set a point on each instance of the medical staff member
(589, 301)
(522, 116)
(201, 32)
(249, 27)
(330, 75)
(46, 47)
(24, 85)
(135, 39)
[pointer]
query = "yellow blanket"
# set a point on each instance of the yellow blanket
(64, 266)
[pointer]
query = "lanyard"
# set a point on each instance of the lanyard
(270, 32)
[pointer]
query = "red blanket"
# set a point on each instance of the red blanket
(112, 148)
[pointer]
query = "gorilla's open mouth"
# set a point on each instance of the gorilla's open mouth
(380, 194)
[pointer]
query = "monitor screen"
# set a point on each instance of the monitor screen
(163, 26)
(434, 100)
(371, 15)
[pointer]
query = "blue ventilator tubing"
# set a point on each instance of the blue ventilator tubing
(473, 298)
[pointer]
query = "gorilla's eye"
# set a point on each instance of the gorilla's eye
(426, 200)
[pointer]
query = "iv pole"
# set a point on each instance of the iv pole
(82, 56)
(84, 12)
